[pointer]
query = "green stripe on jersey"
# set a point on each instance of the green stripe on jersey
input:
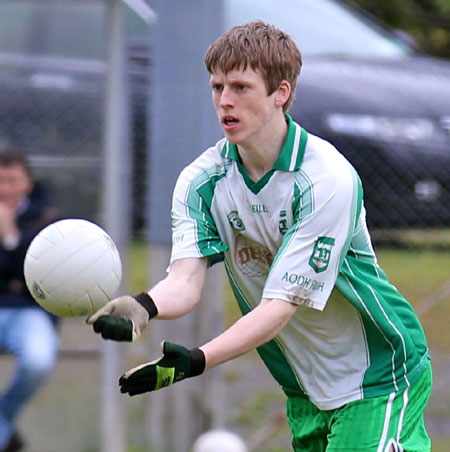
(254, 187)
(303, 202)
(293, 150)
(303, 141)
(199, 199)
(354, 214)
(302, 206)
(393, 333)
(271, 353)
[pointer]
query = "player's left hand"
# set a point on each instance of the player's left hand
(123, 318)
(176, 364)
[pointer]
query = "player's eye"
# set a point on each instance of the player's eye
(217, 87)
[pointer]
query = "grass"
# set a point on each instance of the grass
(417, 273)
(420, 275)
(65, 414)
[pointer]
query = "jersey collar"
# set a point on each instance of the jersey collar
(292, 152)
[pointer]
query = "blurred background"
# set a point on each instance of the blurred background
(375, 82)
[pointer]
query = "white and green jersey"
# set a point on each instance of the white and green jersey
(299, 235)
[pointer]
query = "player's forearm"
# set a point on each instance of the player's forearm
(124, 318)
(173, 299)
(180, 291)
(176, 295)
(256, 328)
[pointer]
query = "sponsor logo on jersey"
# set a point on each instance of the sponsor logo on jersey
(259, 208)
(303, 281)
(320, 257)
(283, 224)
(251, 258)
(235, 221)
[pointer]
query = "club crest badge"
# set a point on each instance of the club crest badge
(235, 221)
(320, 257)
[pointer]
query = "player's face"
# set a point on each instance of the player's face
(245, 110)
(14, 184)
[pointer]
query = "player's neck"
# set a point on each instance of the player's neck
(260, 153)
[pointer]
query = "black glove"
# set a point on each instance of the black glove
(176, 364)
(124, 318)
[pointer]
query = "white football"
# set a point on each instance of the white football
(219, 441)
(72, 268)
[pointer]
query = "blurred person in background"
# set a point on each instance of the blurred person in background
(26, 331)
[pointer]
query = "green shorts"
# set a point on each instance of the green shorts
(368, 425)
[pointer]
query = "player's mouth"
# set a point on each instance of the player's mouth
(229, 122)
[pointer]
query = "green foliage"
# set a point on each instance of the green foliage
(139, 274)
(419, 273)
(443, 5)
(427, 21)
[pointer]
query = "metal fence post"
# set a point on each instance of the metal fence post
(177, 415)
(116, 208)
(183, 124)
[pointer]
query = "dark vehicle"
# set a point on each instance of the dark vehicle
(384, 104)
(52, 95)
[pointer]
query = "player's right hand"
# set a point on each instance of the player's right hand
(176, 364)
(124, 318)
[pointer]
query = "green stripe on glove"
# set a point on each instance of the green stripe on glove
(176, 364)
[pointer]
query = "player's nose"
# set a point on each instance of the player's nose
(226, 97)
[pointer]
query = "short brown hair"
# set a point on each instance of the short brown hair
(259, 46)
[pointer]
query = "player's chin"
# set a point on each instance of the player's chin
(233, 138)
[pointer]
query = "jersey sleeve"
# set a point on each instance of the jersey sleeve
(194, 232)
(306, 266)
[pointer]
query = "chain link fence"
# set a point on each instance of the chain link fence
(52, 86)
(52, 97)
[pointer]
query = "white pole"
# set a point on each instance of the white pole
(177, 415)
(180, 101)
(116, 203)
(142, 9)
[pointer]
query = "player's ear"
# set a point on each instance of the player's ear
(282, 93)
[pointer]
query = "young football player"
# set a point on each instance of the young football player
(284, 210)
